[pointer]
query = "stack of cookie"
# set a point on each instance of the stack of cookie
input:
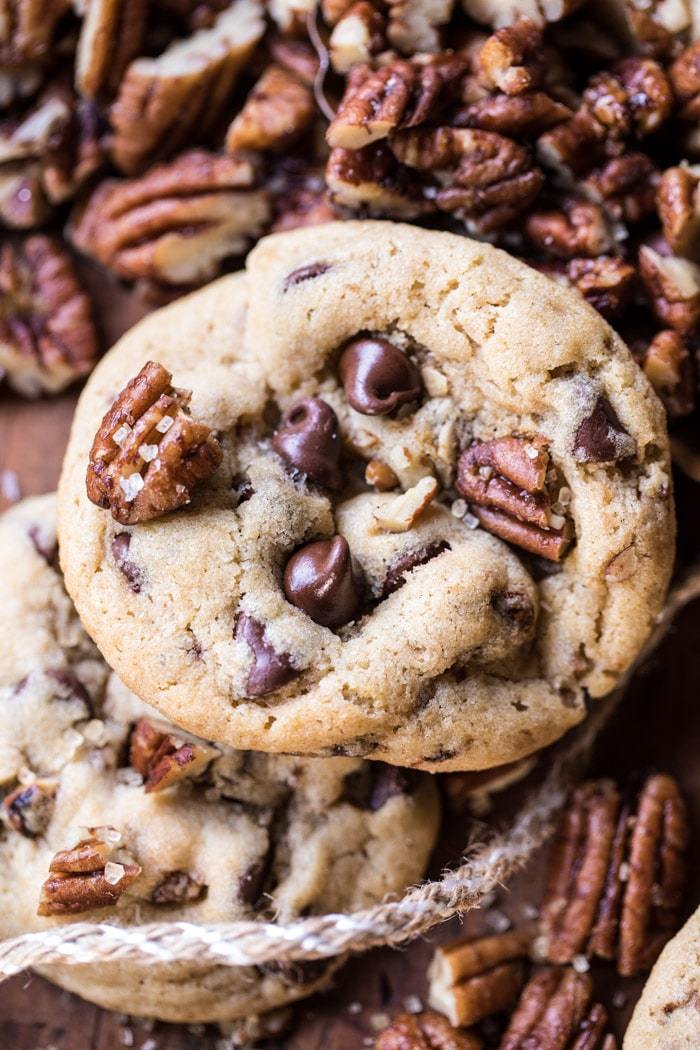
(387, 504)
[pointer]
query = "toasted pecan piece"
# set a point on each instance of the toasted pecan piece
(652, 27)
(633, 99)
(27, 29)
(471, 979)
(580, 228)
(111, 35)
(625, 187)
(47, 334)
(678, 204)
(515, 116)
(672, 285)
(668, 366)
(555, 1013)
(277, 111)
(162, 759)
(83, 878)
(616, 875)
(166, 102)
(372, 180)
(425, 1031)
(684, 75)
(357, 36)
(496, 13)
(176, 223)
(148, 453)
(511, 60)
(505, 482)
(415, 25)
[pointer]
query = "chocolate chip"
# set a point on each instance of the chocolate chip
(399, 569)
(378, 377)
(120, 553)
(324, 581)
(251, 882)
(242, 489)
(515, 608)
(270, 669)
(29, 810)
(308, 438)
(305, 273)
(47, 550)
(601, 438)
(373, 785)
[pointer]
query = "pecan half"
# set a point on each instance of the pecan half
(555, 1013)
(47, 333)
(505, 482)
(425, 1031)
(668, 366)
(402, 94)
(633, 99)
(672, 285)
(625, 186)
(175, 224)
(580, 228)
(359, 34)
(616, 875)
(485, 178)
(277, 111)
(678, 204)
(148, 453)
(511, 60)
(84, 878)
(606, 283)
(111, 35)
(684, 75)
(372, 180)
(29, 807)
(515, 116)
(162, 759)
(166, 102)
(27, 29)
(471, 979)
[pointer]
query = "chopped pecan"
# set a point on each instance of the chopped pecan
(678, 203)
(633, 99)
(625, 186)
(606, 283)
(359, 34)
(425, 1031)
(485, 179)
(555, 1013)
(166, 102)
(511, 60)
(162, 759)
(291, 15)
(372, 180)
(111, 35)
(176, 223)
(84, 878)
(27, 29)
(277, 111)
(673, 288)
(580, 228)
(496, 13)
(573, 146)
(399, 95)
(148, 453)
(47, 333)
(616, 875)
(401, 513)
(684, 75)
(668, 366)
(415, 25)
(505, 482)
(515, 116)
(178, 887)
(656, 28)
(380, 476)
(18, 83)
(29, 807)
(471, 979)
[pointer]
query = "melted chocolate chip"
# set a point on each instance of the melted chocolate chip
(305, 273)
(250, 884)
(601, 438)
(270, 669)
(120, 553)
(47, 550)
(515, 608)
(372, 786)
(378, 377)
(324, 581)
(242, 489)
(308, 438)
(29, 810)
(398, 570)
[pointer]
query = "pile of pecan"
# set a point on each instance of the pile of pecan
(164, 138)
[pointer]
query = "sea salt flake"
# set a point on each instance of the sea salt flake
(164, 425)
(121, 434)
(114, 873)
(131, 486)
(148, 452)
(580, 963)
(459, 508)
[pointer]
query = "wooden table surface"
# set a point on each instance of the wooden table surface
(657, 727)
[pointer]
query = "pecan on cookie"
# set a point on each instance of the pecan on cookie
(84, 877)
(162, 759)
(149, 453)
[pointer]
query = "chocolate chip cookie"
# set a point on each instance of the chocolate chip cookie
(418, 507)
(109, 814)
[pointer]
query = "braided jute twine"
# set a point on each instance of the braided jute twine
(485, 867)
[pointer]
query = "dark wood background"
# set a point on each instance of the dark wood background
(657, 727)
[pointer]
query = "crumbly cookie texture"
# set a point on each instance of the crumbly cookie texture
(107, 813)
(666, 1016)
(498, 416)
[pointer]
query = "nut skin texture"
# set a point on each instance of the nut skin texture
(372, 179)
(183, 452)
(270, 670)
(555, 1013)
(668, 366)
(607, 283)
(678, 205)
(324, 581)
(77, 883)
(308, 439)
(684, 75)
(672, 285)
(511, 59)
(162, 760)
(633, 99)
(276, 113)
(580, 229)
(378, 378)
(425, 1031)
(626, 187)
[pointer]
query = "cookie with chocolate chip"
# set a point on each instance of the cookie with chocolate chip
(110, 814)
(440, 520)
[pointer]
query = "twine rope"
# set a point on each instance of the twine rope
(486, 866)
